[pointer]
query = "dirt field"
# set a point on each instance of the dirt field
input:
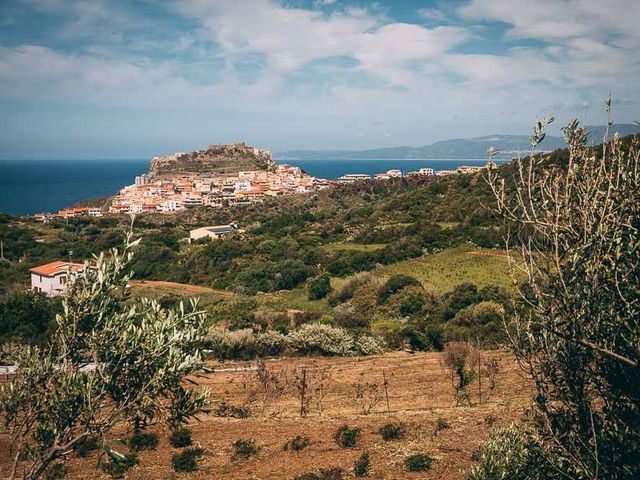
(419, 395)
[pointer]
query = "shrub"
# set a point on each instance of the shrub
(297, 443)
(143, 441)
(511, 453)
(393, 285)
(441, 424)
(319, 287)
(187, 459)
(418, 462)
(180, 438)
(348, 290)
(244, 449)
(321, 339)
(393, 431)
(369, 345)
(459, 359)
(362, 465)
(347, 436)
(322, 474)
(227, 344)
(225, 409)
(58, 471)
(346, 316)
(270, 343)
(87, 445)
(119, 464)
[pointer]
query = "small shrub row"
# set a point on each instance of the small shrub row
(312, 338)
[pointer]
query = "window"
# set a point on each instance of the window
(63, 280)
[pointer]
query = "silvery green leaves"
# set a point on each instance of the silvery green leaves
(109, 362)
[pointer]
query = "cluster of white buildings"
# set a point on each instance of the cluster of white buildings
(395, 173)
(213, 190)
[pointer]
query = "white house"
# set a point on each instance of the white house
(214, 231)
(52, 279)
(426, 171)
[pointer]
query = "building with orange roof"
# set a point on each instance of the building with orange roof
(53, 278)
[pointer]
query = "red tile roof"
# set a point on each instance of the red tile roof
(54, 268)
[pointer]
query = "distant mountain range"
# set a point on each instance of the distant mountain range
(509, 146)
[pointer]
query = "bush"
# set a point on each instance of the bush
(321, 339)
(393, 431)
(511, 453)
(347, 436)
(297, 443)
(393, 285)
(323, 474)
(87, 445)
(271, 343)
(187, 459)
(441, 424)
(119, 464)
(227, 344)
(349, 289)
(244, 449)
(362, 465)
(57, 471)
(143, 441)
(418, 462)
(225, 409)
(180, 438)
(369, 345)
(319, 287)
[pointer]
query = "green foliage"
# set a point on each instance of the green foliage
(393, 285)
(244, 448)
(577, 224)
(118, 464)
(143, 351)
(322, 474)
(362, 466)
(418, 462)
(319, 287)
(86, 446)
(346, 436)
(187, 459)
(297, 443)
(28, 316)
(180, 438)
(512, 453)
(143, 441)
(393, 431)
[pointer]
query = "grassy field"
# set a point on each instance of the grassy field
(442, 271)
(358, 247)
(420, 396)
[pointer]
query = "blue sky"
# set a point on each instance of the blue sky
(133, 79)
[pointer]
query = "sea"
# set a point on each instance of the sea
(34, 186)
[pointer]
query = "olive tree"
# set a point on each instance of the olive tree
(576, 222)
(110, 362)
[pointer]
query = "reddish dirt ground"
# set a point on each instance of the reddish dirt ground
(420, 394)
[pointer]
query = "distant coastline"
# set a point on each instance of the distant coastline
(33, 186)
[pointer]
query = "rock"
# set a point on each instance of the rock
(223, 159)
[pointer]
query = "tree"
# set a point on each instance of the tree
(577, 224)
(319, 287)
(107, 363)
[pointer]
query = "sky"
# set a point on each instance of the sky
(133, 79)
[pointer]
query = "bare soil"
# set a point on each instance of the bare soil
(419, 393)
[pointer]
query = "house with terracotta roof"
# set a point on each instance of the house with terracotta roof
(53, 278)
(213, 232)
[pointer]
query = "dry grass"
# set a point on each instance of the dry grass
(419, 395)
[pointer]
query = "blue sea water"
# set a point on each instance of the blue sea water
(33, 186)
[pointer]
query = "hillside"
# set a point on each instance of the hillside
(214, 159)
(508, 146)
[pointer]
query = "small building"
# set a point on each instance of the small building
(353, 177)
(468, 169)
(214, 232)
(52, 279)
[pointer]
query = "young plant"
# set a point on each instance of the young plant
(244, 449)
(187, 459)
(347, 436)
(297, 443)
(393, 431)
(362, 466)
(418, 462)
(458, 360)
(143, 441)
(180, 438)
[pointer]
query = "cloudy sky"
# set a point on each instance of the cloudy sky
(132, 79)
